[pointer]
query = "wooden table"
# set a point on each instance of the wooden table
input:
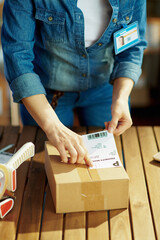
(33, 215)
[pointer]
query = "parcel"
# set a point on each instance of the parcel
(77, 187)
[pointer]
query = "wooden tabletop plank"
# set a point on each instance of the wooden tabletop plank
(157, 135)
(142, 225)
(31, 210)
(97, 222)
(8, 226)
(120, 228)
(75, 226)
(75, 223)
(97, 225)
(119, 219)
(28, 134)
(1, 132)
(79, 130)
(152, 171)
(52, 225)
(10, 136)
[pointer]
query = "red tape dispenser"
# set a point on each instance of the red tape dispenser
(8, 180)
(7, 204)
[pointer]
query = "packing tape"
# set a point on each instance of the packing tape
(3, 180)
(91, 189)
(94, 174)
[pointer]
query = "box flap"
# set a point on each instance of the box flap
(66, 173)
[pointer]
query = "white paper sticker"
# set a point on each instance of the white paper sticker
(102, 150)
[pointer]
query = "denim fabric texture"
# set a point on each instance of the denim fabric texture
(43, 46)
(93, 107)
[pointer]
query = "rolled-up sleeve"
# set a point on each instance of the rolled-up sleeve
(18, 38)
(128, 63)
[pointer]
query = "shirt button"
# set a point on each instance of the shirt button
(100, 44)
(84, 55)
(114, 20)
(84, 75)
(50, 18)
(127, 18)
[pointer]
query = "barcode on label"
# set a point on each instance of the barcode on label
(97, 135)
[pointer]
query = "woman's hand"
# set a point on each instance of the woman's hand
(68, 142)
(121, 118)
(65, 140)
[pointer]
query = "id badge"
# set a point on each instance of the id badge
(126, 37)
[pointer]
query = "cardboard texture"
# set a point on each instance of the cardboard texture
(76, 188)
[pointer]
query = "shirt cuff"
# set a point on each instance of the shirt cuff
(26, 85)
(126, 69)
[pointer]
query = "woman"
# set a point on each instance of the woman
(66, 48)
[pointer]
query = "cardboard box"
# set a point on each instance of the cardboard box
(77, 188)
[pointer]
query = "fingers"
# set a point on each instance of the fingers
(112, 125)
(121, 127)
(88, 161)
(62, 153)
(86, 156)
(121, 118)
(76, 151)
(72, 152)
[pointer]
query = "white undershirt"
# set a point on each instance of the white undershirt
(97, 14)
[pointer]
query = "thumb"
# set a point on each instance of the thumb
(113, 124)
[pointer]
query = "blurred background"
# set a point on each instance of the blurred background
(145, 97)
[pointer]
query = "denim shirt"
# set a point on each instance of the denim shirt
(43, 46)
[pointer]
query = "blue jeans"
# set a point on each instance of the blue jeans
(93, 107)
